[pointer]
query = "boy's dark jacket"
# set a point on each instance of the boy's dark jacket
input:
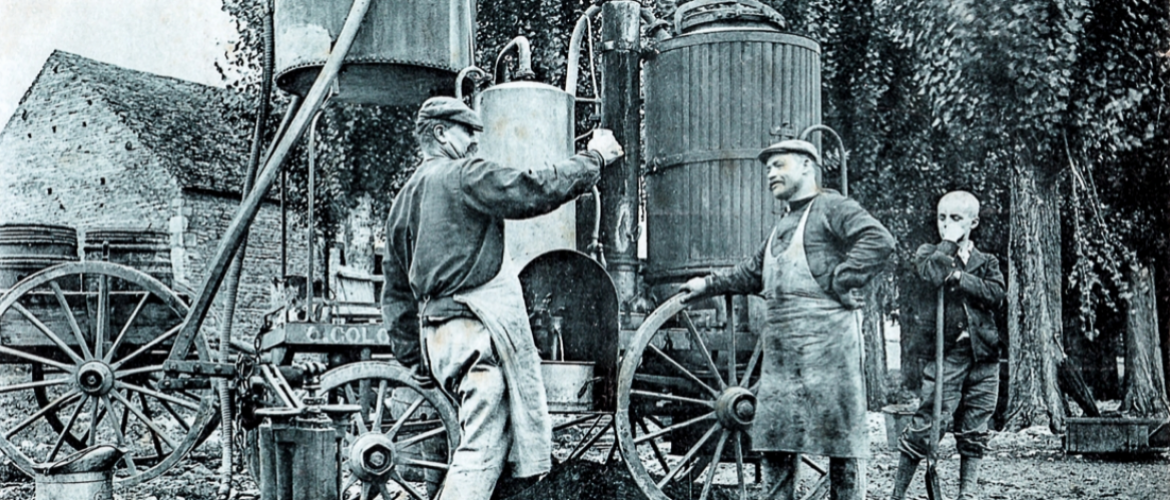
(981, 281)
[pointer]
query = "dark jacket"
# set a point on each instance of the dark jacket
(844, 244)
(445, 232)
(980, 289)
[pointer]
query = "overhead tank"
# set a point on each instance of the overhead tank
(714, 95)
(405, 51)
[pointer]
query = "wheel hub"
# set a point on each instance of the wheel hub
(736, 408)
(95, 378)
(371, 458)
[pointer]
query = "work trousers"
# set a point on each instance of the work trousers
(970, 391)
(846, 477)
(462, 360)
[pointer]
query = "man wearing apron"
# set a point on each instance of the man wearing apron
(810, 269)
(452, 300)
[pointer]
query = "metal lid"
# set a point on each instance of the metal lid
(705, 15)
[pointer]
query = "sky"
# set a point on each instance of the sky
(177, 38)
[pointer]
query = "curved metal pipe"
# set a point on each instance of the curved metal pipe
(463, 75)
(840, 146)
(312, 147)
(572, 70)
(523, 64)
(595, 243)
(232, 284)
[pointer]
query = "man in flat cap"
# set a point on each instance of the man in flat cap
(452, 300)
(810, 270)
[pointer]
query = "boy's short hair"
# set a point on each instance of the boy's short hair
(962, 198)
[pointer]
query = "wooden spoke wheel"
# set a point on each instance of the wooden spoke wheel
(399, 437)
(686, 400)
(82, 346)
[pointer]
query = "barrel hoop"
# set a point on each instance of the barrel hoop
(92, 246)
(661, 163)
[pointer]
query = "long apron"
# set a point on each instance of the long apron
(812, 394)
(499, 305)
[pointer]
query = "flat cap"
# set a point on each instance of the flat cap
(791, 146)
(450, 109)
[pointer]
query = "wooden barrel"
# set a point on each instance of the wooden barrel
(144, 250)
(28, 248)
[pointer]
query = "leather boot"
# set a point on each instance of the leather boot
(906, 467)
(969, 478)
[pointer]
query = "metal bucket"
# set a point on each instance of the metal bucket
(28, 248)
(403, 53)
(568, 385)
(77, 485)
(146, 251)
(431, 450)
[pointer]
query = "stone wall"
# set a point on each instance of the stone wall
(66, 159)
(204, 218)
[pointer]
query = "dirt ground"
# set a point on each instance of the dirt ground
(1021, 466)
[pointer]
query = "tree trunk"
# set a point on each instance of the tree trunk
(1145, 385)
(912, 319)
(359, 236)
(1033, 300)
(873, 330)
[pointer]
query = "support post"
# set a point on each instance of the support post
(620, 103)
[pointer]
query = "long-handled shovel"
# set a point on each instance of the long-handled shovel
(933, 489)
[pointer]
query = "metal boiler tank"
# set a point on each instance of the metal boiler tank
(530, 125)
(405, 51)
(714, 95)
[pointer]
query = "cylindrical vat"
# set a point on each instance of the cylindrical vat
(712, 100)
(28, 248)
(146, 251)
(529, 125)
(403, 53)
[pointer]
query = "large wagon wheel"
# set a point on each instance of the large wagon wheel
(683, 413)
(93, 336)
(400, 436)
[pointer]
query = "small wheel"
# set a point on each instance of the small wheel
(685, 403)
(399, 437)
(94, 336)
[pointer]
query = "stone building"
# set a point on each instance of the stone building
(93, 145)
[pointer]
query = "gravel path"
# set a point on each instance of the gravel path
(1024, 465)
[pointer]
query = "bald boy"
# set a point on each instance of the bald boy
(973, 287)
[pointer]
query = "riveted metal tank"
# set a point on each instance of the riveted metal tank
(714, 94)
(405, 51)
(529, 125)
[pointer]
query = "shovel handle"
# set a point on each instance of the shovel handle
(933, 490)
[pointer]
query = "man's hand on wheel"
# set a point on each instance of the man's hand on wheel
(694, 288)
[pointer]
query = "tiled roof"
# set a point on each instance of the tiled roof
(184, 124)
